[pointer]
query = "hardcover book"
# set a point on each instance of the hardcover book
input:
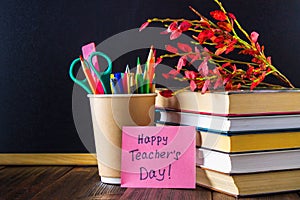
(234, 103)
(249, 184)
(237, 163)
(226, 124)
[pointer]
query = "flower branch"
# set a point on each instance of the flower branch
(222, 39)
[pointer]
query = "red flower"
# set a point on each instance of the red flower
(258, 81)
(225, 26)
(176, 30)
(249, 71)
(248, 52)
(175, 34)
(204, 23)
(173, 26)
(227, 79)
(184, 47)
(190, 74)
(184, 26)
(256, 60)
(218, 15)
(230, 47)
(231, 16)
(203, 67)
(166, 93)
(258, 47)
(193, 85)
(233, 67)
(166, 76)
(226, 65)
(226, 46)
(171, 49)
(195, 56)
(158, 60)
(269, 60)
(220, 50)
(171, 73)
(218, 83)
(205, 86)
(144, 25)
(204, 35)
(181, 62)
(218, 39)
(228, 85)
(254, 36)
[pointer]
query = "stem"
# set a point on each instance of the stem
(172, 20)
(202, 17)
(223, 59)
(237, 23)
(197, 13)
(181, 90)
(277, 73)
(282, 77)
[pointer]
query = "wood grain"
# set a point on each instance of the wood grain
(102, 188)
(104, 196)
(83, 183)
(48, 159)
(25, 182)
(221, 196)
(289, 196)
(176, 194)
(75, 184)
(105, 191)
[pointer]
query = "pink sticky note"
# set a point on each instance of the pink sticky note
(158, 157)
(86, 52)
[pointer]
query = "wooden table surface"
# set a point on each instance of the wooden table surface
(67, 182)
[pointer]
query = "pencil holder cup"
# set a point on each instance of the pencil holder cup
(109, 114)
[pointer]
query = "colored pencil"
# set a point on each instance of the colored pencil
(139, 80)
(88, 76)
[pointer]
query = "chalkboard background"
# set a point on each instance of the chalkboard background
(39, 39)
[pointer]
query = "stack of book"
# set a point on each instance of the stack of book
(249, 141)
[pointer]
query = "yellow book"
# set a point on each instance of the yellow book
(249, 184)
(249, 142)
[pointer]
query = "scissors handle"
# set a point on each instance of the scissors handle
(104, 77)
(82, 83)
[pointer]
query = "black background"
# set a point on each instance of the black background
(39, 39)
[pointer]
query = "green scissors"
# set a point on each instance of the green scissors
(103, 77)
